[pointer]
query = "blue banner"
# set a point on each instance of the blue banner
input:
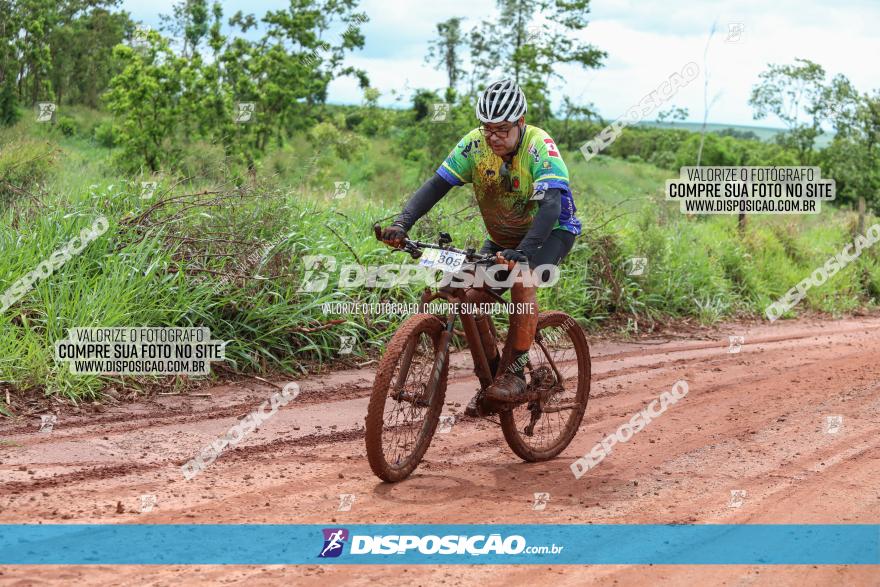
(264, 544)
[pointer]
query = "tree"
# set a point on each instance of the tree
(746, 135)
(9, 113)
(189, 22)
(672, 114)
(570, 112)
(444, 50)
(9, 27)
(484, 54)
(164, 100)
(81, 49)
(795, 94)
(37, 19)
(800, 97)
(143, 97)
(60, 50)
(707, 103)
(423, 101)
(292, 65)
(532, 53)
(853, 158)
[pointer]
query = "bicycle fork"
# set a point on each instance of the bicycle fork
(440, 357)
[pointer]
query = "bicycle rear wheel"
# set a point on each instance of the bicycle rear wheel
(402, 418)
(558, 372)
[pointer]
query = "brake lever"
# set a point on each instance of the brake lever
(413, 250)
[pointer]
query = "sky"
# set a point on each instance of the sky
(646, 41)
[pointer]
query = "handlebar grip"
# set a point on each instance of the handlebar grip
(377, 230)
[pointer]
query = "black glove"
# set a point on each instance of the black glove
(394, 234)
(513, 255)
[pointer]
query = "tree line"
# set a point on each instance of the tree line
(248, 83)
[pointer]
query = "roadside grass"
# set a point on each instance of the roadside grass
(234, 261)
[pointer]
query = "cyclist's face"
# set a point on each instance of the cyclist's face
(502, 137)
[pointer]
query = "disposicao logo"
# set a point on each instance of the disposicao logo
(410, 544)
(334, 540)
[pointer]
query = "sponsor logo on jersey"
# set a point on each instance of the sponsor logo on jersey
(533, 152)
(551, 148)
(539, 190)
(466, 151)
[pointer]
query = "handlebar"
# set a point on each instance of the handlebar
(414, 248)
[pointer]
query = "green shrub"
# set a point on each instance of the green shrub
(346, 144)
(204, 160)
(353, 120)
(106, 134)
(67, 126)
(24, 164)
(9, 112)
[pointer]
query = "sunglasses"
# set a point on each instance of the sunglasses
(501, 133)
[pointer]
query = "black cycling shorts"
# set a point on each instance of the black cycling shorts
(552, 252)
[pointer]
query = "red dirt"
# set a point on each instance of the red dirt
(753, 420)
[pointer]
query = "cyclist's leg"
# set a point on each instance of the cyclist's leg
(517, 294)
(510, 385)
(524, 318)
(524, 295)
(523, 322)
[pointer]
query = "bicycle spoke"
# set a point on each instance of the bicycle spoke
(404, 418)
(554, 361)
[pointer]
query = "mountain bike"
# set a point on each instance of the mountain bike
(410, 385)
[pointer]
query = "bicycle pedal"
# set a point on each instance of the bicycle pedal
(482, 407)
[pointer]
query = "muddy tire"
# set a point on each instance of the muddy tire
(400, 423)
(535, 435)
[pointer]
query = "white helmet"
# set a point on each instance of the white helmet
(502, 100)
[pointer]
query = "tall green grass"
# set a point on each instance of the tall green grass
(166, 269)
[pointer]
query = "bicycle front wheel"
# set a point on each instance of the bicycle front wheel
(403, 413)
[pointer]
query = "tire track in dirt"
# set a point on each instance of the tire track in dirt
(751, 421)
(321, 394)
(242, 409)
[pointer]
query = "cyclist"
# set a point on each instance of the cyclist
(521, 186)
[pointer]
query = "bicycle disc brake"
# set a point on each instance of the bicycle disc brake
(540, 387)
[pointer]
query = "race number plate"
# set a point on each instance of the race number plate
(440, 259)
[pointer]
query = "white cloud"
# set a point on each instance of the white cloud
(645, 40)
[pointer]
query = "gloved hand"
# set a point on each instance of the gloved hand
(394, 235)
(511, 257)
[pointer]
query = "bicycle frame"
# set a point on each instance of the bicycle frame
(469, 323)
(471, 332)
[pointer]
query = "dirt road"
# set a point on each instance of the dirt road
(754, 421)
